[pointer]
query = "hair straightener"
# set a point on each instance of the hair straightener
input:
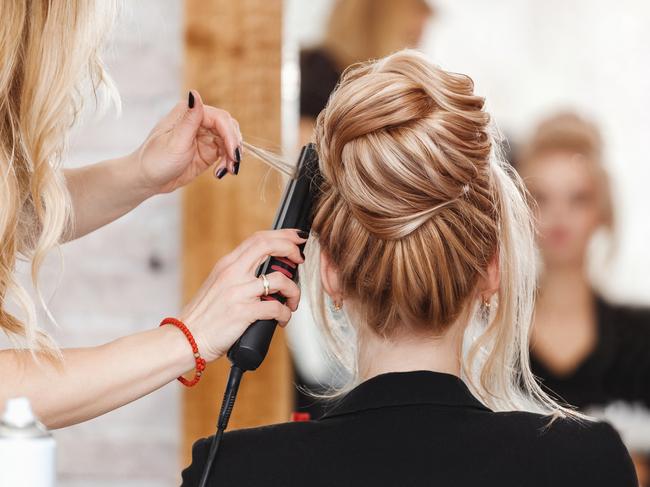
(249, 350)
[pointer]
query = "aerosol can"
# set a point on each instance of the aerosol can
(27, 449)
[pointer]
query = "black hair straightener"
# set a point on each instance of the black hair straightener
(249, 350)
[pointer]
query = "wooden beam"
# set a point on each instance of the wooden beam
(233, 58)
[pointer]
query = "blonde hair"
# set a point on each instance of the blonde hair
(48, 57)
(567, 132)
(414, 204)
(359, 30)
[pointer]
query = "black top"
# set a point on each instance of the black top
(617, 368)
(319, 74)
(414, 429)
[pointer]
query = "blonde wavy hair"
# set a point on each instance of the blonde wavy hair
(49, 59)
(570, 133)
(358, 30)
(415, 203)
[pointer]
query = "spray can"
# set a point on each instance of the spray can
(27, 449)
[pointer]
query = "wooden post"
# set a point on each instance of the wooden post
(233, 58)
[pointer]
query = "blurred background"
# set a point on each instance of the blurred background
(530, 60)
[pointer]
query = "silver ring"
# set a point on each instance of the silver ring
(266, 283)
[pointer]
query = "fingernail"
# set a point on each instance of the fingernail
(236, 168)
(190, 100)
(237, 155)
(221, 172)
(303, 234)
(302, 254)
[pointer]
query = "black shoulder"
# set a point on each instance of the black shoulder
(317, 62)
(252, 456)
(600, 454)
(574, 451)
(624, 314)
(564, 453)
(625, 361)
(318, 77)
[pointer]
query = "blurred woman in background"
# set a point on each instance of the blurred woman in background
(587, 350)
(584, 348)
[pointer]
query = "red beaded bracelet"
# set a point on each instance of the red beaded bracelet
(200, 361)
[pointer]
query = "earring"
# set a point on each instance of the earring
(484, 311)
(335, 304)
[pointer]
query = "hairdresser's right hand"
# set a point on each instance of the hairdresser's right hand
(188, 140)
(229, 299)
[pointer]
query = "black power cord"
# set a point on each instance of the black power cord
(227, 405)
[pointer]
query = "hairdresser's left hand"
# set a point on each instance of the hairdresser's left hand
(190, 139)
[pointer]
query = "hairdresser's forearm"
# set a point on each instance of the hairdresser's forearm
(93, 381)
(103, 192)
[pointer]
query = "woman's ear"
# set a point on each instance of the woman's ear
(488, 284)
(329, 276)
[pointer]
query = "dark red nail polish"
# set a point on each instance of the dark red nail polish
(237, 155)
(236, 168)
(221, 172)
(303, 234)
(190, 100)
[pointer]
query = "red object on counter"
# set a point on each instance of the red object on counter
(298, 416)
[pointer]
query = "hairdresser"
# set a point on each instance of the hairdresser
(43, 205)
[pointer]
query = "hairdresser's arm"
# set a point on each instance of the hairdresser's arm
(183, 145)
(92, 381)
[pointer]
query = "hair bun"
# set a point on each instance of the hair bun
(402, 139)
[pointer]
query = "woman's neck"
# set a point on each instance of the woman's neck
(564, 288)
(410, 352)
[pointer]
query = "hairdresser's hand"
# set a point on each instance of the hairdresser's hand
(229, 300)
(190, 139)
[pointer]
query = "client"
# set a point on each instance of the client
(424, 246)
